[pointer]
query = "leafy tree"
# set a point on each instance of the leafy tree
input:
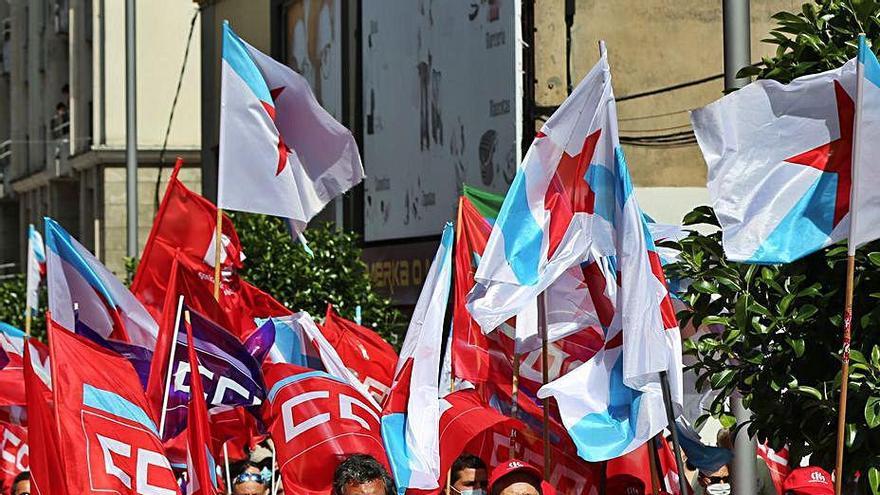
(775, 331)
(12, 306)
(334, 275)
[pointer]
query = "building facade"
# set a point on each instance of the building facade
(62, 117)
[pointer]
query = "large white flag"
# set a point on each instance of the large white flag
(281, 154)
(783, 176)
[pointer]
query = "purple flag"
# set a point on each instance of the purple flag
(230, 369)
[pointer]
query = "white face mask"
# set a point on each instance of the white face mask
(470, 491)
(718, 489)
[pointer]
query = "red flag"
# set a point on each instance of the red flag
(13, 453)
(201, 464)
(777, 463)
(470, 356)
(364, 352)
(316, 421)
(45, 462)
(185, 224)
(107, 436)
(11, 383)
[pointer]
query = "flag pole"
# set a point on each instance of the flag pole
(655, 479)
(218, 245)
(545, 378)
(850, 282)
(670, 416)
(170, 366)
(514, 401)
(27, 322)
(228, 474)
(451, 389)
(274, 489)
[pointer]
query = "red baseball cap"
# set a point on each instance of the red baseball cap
(809, 480)
(513, 466)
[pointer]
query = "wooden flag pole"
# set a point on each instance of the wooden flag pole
(545, 377)
(27, 322)
(170, 369)
(844, 373)
(218, 245)
(850, 283)
(514, 402)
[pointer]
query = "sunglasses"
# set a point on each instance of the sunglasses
(248, 477)
(716, 479)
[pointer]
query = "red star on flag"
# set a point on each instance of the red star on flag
(568, 192)
(283, 149)
(836, 156)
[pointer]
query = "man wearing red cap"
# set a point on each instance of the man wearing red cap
(808, 481)
(516, 477)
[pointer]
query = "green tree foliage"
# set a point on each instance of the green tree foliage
(12, 306)
(335, 274)
(777, 329)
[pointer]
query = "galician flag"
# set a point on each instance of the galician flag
(281, 154)
(787, 173)
(613, 403)
(546, 222)
(411, 414)
(36, 267)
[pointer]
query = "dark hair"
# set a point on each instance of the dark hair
(22, 476)
(359, 469)
(465, 461)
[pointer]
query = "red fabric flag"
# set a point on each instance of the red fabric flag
(470, 349)
(201, 464)
(185, 225)
(11, 383)
(364, 352)
(777, 463)
(316, 421)
(107, 436)
(14, 456)
(47, 477)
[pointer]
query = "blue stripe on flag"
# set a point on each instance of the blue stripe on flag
(607, 434)
(603, 183)
(11, 330)
(117, 405)
(624, 183)
(235, 53)
(869, 61)
(805, 228)
(59, 242)
(394, 438)
(522, 234)
(212, 467)
(295, 378)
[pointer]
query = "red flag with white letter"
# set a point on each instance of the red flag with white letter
(14, 456)
(107, 437)
(316, 421)
(45, 462)
(364, 352)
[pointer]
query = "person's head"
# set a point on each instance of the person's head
(515, 477)
(21, 485)
(468, 475)
(361, 474)
(717, 483)
(808, 480)
(249, 480)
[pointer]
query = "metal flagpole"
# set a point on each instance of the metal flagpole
(850, 283)
(545, 377)
(228, 474)
(670, 416)
(655, 479)
(131, 130)
(218, 245)
(170, 369)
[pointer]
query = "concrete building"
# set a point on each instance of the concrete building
(62, 117)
